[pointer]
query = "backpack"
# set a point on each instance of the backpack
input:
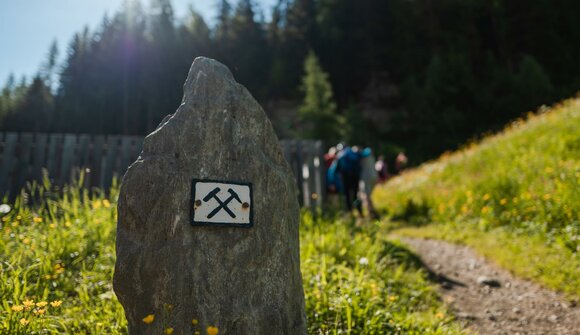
(349, 163)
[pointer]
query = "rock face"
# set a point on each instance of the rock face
(240, 280)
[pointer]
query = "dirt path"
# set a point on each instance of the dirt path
(490, 299)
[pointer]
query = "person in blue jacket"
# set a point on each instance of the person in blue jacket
(348, 170)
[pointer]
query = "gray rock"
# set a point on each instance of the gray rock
(240, 280)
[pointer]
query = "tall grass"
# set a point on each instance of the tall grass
(58, 255)
(57, 262)
(522, 184)
(357, 282)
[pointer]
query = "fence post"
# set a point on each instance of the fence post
(23, 167)
(39, 156)
(10, 142)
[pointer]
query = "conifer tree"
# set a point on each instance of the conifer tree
(318, 111)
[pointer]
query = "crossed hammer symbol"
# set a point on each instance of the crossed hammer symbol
(222, 204)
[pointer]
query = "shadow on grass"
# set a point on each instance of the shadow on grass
(401, 255)
(417, 213)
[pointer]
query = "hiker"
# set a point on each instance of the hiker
(330, 157)
(333, 185)
(348, 168)
(382, 169)
(401, 162)
(368, 180)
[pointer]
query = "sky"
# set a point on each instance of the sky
(28, 27)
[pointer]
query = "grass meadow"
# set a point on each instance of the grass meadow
(58, 257)
(514, 196)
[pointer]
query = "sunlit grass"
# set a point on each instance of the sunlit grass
(58, 257)
(61, 249)
(357, 282)
(523, 183)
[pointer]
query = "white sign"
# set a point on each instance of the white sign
(221, 203)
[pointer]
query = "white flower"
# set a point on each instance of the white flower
(363, 261)
(4, 208)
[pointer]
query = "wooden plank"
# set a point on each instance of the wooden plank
(97, 148)
(10, 143)
(24, 164)
(124, 156)
(313, 180)
(68, 151)
(319, 173)
(109, 162)
(307, 175)
(38, 156)
(137, 148)
(81, 159)
(53, 155)
(299, 170)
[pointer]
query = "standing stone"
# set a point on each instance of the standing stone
(242, 278)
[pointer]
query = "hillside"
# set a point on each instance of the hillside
(514, 197)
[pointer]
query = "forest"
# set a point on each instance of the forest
(418, 76)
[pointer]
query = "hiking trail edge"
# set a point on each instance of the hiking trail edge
(491, 300)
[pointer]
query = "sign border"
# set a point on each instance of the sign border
(220, 224)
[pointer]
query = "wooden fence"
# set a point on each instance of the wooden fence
(26, 156)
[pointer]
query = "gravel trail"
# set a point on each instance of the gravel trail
(490, 299)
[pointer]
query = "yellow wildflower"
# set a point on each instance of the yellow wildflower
(486, 196)
(106, 203)
(392, 298)
(28, 303)
(59, 268)
(503, 201)
(68, 224)
(24, 322)
(37, 219)
(548, 170)
(194, 322)
(17, 308)
(18, 217)
(26, 240)
(41, 304)
(212, 330)
(439, 315)
(52, 225)
(168, 331)
(547, 196)
(485, 209)
(96, 204)
(39, 311)
(149, 318)
(56, 303)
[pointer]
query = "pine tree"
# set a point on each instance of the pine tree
(318, 111)
(49, 69)
(249, 58)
